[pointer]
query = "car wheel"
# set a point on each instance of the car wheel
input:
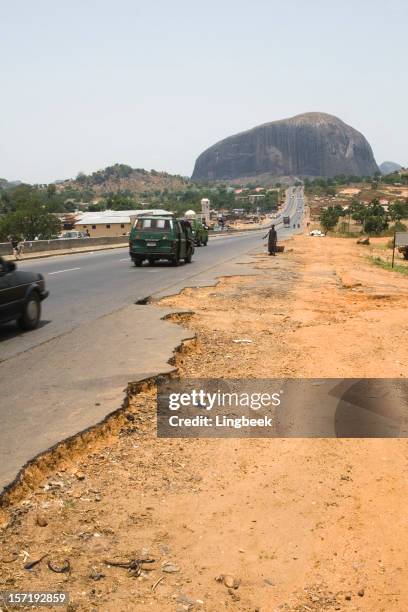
(138, 262)
(31, 313)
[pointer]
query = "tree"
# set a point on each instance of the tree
(120, 201)
(329, 218)
(29, 224)
(51, 190)
(375, 224)
(28, 214)
(357, 211)
(398, 211)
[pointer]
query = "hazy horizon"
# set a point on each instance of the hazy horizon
(89, 85)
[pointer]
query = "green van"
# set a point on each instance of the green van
(161, 237)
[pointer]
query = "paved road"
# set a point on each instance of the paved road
(72, 371)
(87, 286)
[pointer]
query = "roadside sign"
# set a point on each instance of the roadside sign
(401, 239)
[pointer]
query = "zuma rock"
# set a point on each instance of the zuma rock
(308, 145)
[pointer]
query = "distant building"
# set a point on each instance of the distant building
(111, 222)
(205, 210)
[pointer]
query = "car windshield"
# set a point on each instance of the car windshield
(154, 224)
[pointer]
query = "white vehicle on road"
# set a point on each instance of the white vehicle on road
(316, 232)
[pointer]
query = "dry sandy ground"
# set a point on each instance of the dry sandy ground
(299, 525)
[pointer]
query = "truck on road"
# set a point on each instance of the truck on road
(286, 221)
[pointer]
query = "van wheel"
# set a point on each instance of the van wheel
(176, 260)
(189, 256)
(31, 313)
(205, 243)
(138, 262)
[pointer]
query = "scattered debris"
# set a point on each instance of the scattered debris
(95, 575)
(184, 599)
(134, 566)
(229, 581)
(13, 558)
(234, 596)
(363, 240)
(170, 568)
(62, 569)
(156, 584)
(31, 564)
(40, 520)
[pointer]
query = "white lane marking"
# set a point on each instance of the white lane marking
(67, 270)
(125, 259)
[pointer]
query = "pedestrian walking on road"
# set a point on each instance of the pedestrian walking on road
(272, 240)
(15, 245)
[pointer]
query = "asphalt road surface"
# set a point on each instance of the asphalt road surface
(86, 286)
(70, 372)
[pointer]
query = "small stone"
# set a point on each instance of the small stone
(231, 582)
(363, 240)
(234, 596)
(361, 593)
(170, 568)
(41, 520)
(348, 597)
(80, 476)
(185, 600)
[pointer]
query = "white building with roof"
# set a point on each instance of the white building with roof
(111, 222)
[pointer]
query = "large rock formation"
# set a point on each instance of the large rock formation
(308, 145)
(388, 167)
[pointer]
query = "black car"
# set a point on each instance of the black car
(21, 294)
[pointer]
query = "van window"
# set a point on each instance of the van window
(154, 224)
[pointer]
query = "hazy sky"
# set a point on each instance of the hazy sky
(87, 83)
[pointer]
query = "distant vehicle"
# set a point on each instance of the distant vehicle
(199, 231)
(286, 221)
(161, 237)
(21, 294)
(316, 232)
(72, 234)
